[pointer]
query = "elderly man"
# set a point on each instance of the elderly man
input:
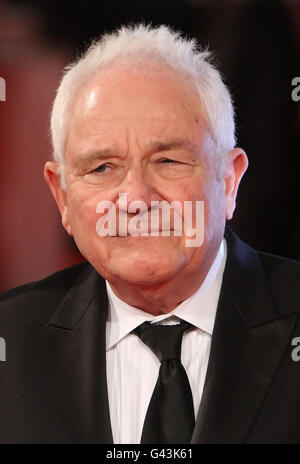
(173, 330)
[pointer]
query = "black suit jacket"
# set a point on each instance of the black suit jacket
(53, 383)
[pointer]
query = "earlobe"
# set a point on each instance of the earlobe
(237, 166)
(52, 173)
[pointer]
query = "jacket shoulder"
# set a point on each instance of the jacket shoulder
(284, 277)
(38, 296)
(258, 272)
(280, 267)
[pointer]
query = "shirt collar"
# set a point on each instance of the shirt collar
(199, 309)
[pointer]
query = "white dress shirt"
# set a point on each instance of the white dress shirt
(132, 368)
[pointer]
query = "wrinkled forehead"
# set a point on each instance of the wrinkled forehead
(136, 82)
(143, 101)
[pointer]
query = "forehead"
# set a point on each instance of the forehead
(149, 99)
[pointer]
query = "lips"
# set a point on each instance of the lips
(146, 232)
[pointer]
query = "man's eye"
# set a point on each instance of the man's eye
(168, 160)
(102, 168)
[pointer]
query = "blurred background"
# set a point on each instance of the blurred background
(257, 49)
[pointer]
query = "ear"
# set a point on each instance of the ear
(236, 167)
(52, 174)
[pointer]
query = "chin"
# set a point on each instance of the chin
(145, 278)
(144, 268)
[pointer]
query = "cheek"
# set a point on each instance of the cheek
(186, 190)
(215, 205)
(82, 213)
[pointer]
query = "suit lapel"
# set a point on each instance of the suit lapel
(72, 351)
(249, 339)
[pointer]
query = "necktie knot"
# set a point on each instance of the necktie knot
(163, 340)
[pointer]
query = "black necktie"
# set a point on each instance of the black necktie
(170, 416)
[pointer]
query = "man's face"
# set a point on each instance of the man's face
(141, 131)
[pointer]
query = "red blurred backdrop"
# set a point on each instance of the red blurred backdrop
(33, 244)
(257, 44)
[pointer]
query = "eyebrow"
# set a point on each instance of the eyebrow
(178, 143)
(86, 158)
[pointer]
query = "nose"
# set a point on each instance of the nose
(138, 187)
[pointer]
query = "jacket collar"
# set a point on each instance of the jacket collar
(73, 360)
(248, 342)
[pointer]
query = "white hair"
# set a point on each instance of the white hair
(161, 44)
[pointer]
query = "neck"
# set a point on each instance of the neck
(161, 298)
